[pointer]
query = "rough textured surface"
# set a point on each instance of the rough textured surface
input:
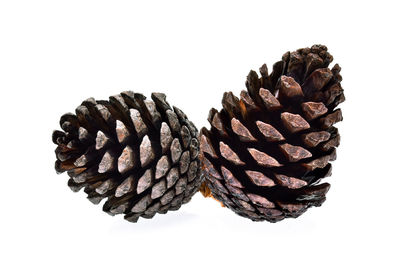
(141, 155)
(267, 151)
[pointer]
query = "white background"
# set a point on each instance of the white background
(54, 54)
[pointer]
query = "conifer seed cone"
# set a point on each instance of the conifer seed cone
(142, 155)
(267, 151)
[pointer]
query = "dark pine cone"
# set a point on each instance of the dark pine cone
(142, 155)
(267, 151)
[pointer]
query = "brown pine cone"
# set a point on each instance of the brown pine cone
(142, 155)
(266, 152)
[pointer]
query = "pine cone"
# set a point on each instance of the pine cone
(141, 155)
(266, 152)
